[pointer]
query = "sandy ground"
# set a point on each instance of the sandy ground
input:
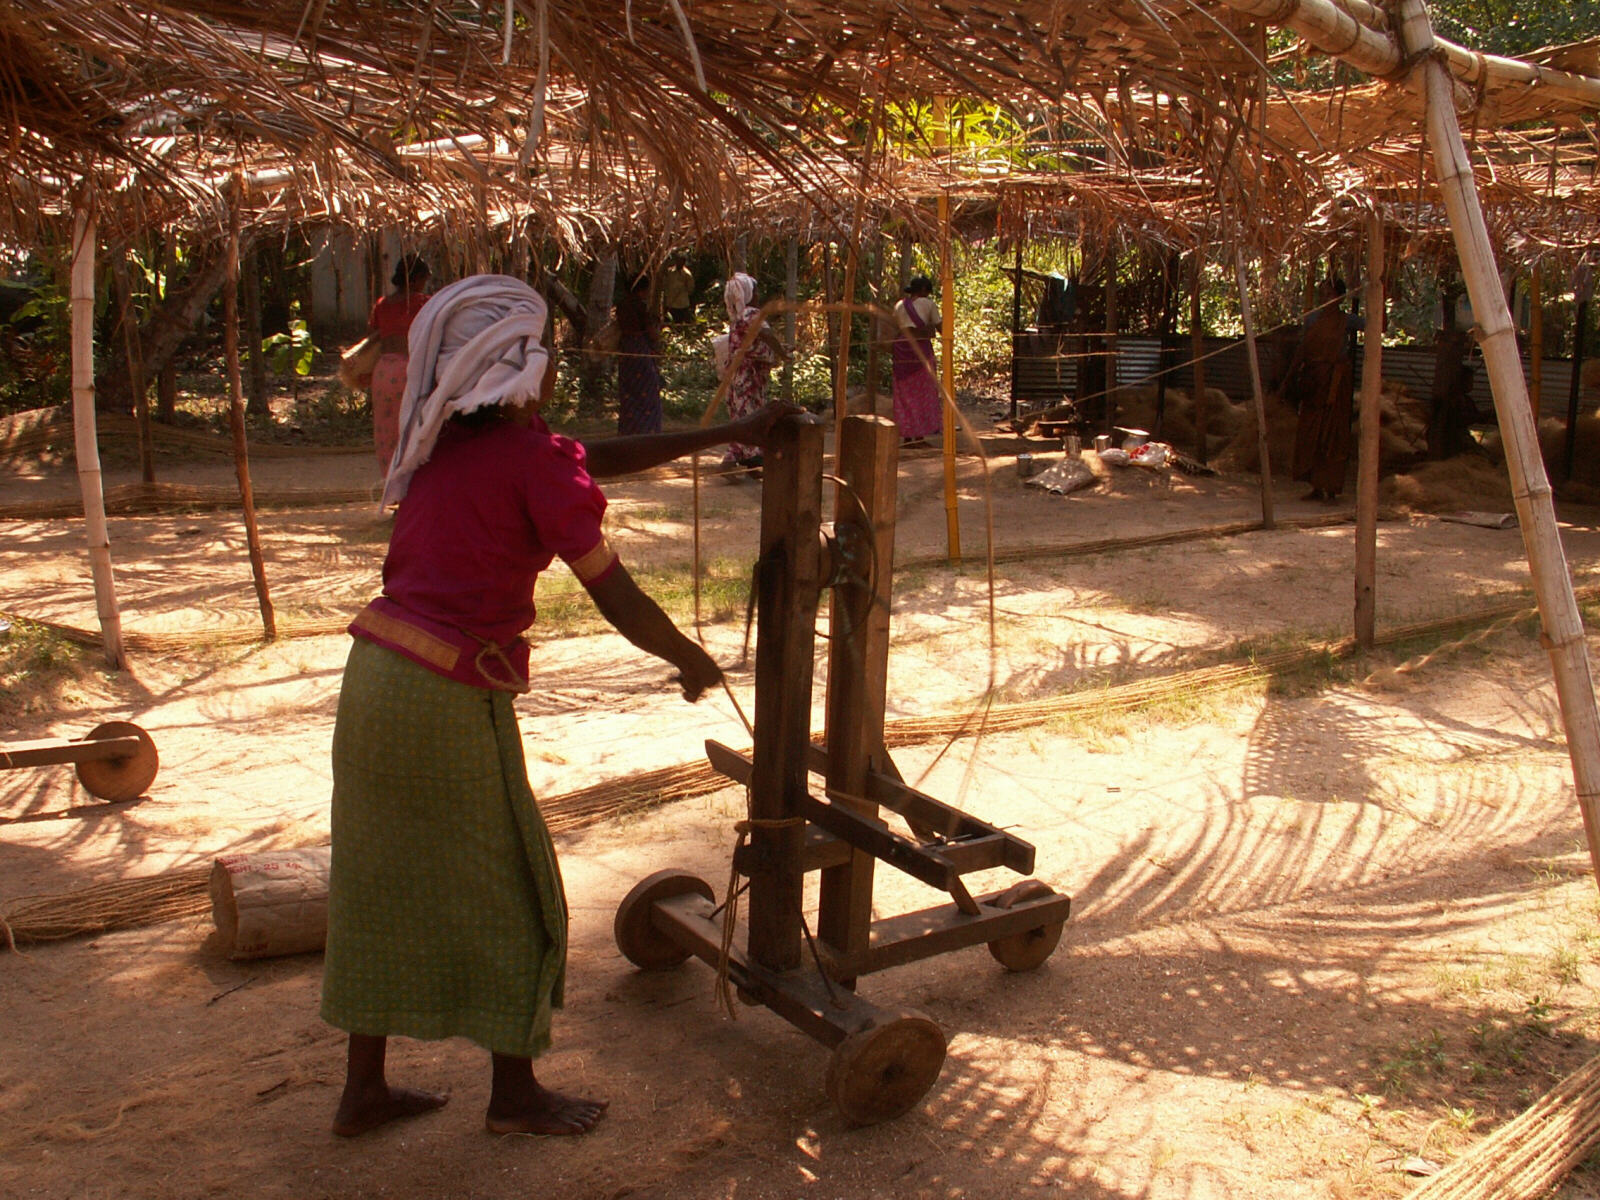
(1318, 930)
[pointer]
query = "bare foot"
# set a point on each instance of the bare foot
(546, 1113)
(361, 1113)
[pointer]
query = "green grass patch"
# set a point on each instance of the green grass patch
(39, 669)
(565, 609)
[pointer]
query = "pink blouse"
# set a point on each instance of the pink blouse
(483, 517)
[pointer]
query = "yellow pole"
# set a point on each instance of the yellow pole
(947, 339)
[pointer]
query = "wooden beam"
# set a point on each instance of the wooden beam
(858, 657)
(789, 583)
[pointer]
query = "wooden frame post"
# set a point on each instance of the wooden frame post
(947, 348)
(90, 482)
(789, 585)
(1367, 452)
(1562, 623)
(1247, 313)
(241, 453)
(1580, 324)
(858, 658)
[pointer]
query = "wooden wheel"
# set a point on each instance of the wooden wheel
(641, 943)
(880, 1073)
(125, 777)
(1026, 950)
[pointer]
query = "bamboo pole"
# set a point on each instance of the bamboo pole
(947, 346)
(241, 452)
(1580, 323)
(83, 428)
(1536, 339)
(1247, 314)
(1552, 584)
(1367, 455)
(1197, 353)
(1368, 47)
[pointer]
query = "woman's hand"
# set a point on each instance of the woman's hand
(696, 672)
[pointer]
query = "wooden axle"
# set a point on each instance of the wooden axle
(117, 761)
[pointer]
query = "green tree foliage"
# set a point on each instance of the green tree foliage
(1515, 26)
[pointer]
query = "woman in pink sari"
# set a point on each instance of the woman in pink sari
(918, 407)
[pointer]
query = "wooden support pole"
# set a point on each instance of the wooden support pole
(789, 583)
(241, 453)
(1016, 327)
(791, 294)
(1580, 325)
(250, 287)
(1367, 451)
(136, 379)
(90, 482)
(1247, 314)
(167, 376)
(1536, 339)
(947, 346)
(1562, 623)
(874, 333)
(1197, 353)
(1111, 333)
(858, 662)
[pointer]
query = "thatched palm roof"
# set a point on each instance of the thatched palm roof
(694, 116)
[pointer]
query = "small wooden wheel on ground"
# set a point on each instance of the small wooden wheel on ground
(1026, 950)
(125, 777)
(641, 943)
(880, 1073)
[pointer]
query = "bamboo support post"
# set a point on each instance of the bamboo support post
(1197, 354)
(83, 427)
(1580, 323)
(1536, 339)
(875, 287)
(1552, 584)
(241, 453)
(1016, 326)
(852, 267)
(947, 346)
(1367, 452)
(791, 295)
(1247, 314)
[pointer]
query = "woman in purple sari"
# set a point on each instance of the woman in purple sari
(918, 407)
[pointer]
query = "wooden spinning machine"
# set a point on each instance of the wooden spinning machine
(883, 1061)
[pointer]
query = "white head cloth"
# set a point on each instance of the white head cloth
(739, 294)
(479, 341)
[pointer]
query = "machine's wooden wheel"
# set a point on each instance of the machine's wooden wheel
(125, 777)
(1026, 950)
(880, 1073)
(640, 941)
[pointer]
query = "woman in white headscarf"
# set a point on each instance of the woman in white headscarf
(747, 389)
(446, 913)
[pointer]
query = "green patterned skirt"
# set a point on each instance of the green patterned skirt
(446, 916)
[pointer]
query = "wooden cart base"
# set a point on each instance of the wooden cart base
(883, 1061)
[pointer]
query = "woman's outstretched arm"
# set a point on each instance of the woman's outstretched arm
(610, 457)
(640, 619)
